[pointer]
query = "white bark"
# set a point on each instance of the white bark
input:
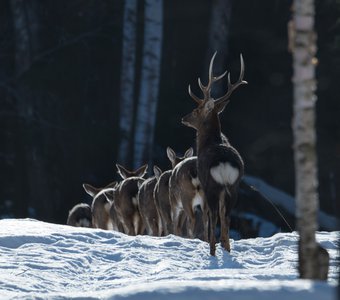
(149, 87)
(127, 84)
(312, 258)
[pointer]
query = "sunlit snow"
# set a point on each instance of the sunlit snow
(51, 261)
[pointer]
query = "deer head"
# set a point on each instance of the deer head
(174, 159)
(124, 173)
(209, 107)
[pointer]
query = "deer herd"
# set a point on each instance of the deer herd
(187, 200)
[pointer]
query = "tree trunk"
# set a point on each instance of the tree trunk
(313, 259)
(127, 85)
(150, 77)
(218, 40)
(34, 196)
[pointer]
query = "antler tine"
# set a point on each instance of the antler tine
(211, 77)
(202, 87)
(206, 89)
(193, 96)
(221, 76)
(242, 70)
(234, 86)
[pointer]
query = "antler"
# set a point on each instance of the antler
(207, 89)
(234, 86)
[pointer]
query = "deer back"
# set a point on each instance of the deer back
(147, 207)
(126, 204)
(101, 207)
(80, 216)
(161, 191)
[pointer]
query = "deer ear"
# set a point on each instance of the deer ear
(189, 152)
(141, 171)
(122, 171)
(113, 185)
(109, 193)
(157, 171)
(171, 154)
(91, 190)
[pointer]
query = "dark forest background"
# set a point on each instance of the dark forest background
(60, 96)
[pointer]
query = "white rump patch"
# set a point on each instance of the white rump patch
(178, 210)
(135, 221)
(197, 201)
(195, 182)
(224, 173)
(83, 223)
(107, 207)
(109, 225)
(134, 201)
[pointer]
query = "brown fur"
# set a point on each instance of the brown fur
(161, 192)
(147, 207)
(184, 186)
(101, 208)
(80, 216)
(125, 203)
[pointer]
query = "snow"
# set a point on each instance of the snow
(52, 261)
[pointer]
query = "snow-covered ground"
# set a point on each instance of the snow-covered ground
(43, 260)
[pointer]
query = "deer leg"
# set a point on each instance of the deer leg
(205, 219)
(155, 228)
(160, 226)
(213, 222)
(137, 224)
(224, 238)
(227, 233)
(168, 228)
(128, 228)
(176, 222)
(182, 224)
(192, 222)
(225, 199)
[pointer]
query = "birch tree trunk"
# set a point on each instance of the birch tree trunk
(149, 87)
(313, 259)
(218, 39)
(127, 85)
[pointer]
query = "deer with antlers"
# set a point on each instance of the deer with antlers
(219, 165)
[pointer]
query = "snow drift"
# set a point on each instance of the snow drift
(52, 261)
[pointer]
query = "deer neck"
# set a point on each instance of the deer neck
(209, 133)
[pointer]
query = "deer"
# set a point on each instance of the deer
(80, 216)
(101, 206)
(124, 199)
(146, 204)
(219, 165)
(186, 195)
(161, 191)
